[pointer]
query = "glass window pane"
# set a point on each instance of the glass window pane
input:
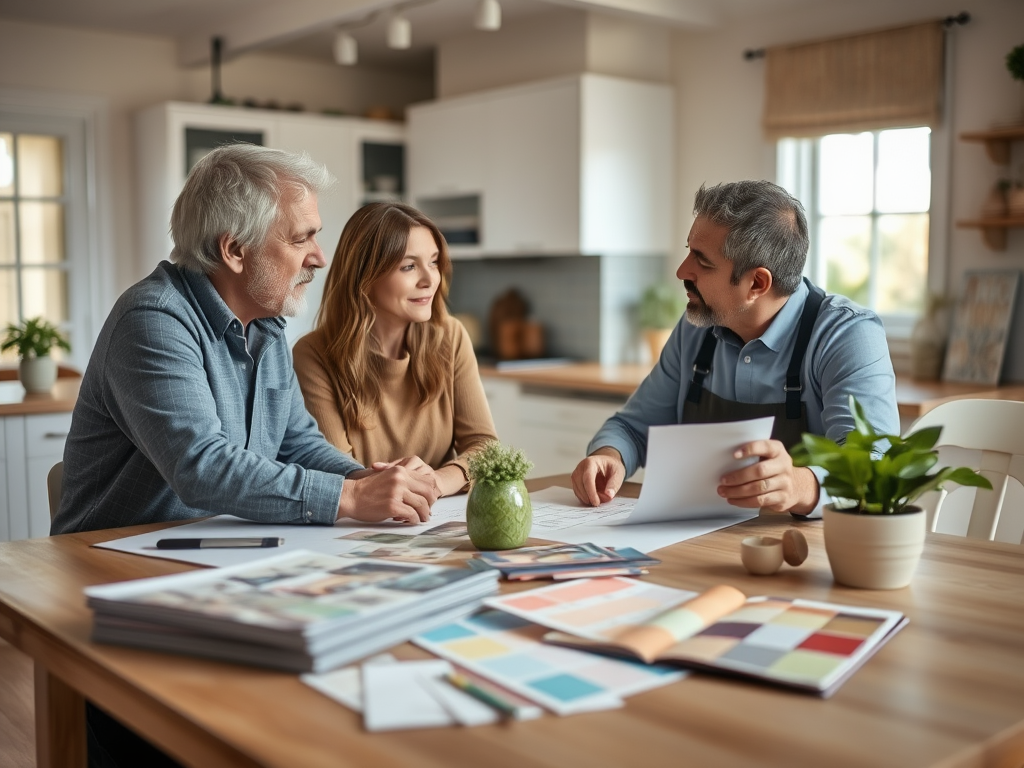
(40, 166)
(6, 164)
(846, 173)
(42, 232)
(903, 262)
(8, 297)
(904, 171)
(7, 232)
(845, 244)
(44, 292)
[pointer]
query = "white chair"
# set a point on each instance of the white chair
(54, 482)
(996, 429)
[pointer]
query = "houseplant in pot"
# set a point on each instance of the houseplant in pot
(33, 339)
(661, 306)
(873, 532)
(498, 511)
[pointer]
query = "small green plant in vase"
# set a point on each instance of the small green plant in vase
(34, 339)
(498, 511)
(874, 534)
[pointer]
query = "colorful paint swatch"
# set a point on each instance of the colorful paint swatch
(508, 650)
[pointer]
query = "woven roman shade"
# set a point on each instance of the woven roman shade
(875, 80)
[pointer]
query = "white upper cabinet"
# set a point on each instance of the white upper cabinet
(451, 159)
(576, 165)
(170, 137)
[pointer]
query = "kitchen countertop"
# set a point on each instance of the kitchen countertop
(914, 398)
(15, 401)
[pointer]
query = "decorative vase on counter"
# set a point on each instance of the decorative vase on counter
(37, 374)
(499, 515)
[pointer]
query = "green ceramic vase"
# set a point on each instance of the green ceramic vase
(499, 516)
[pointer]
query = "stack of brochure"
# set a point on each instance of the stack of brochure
(297, 611)
(565, 561)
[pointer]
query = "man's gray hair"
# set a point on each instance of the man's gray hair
(236, 190)
(767, 228)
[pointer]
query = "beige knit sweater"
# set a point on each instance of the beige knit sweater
(444, 432)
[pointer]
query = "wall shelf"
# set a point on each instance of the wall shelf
(993, 231)
(999, 145)
(997, 141)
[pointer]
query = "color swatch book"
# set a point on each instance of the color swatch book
(566, 561)
(802, 644)
(509, 651)
(298, 611)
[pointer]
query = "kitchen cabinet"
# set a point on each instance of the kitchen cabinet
(171, 136)
(998, 145)
(30, 446)
(575, 165)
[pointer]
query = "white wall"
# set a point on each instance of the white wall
(720, 97)
(130, 72)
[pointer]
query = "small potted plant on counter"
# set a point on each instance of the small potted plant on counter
(33, 339)
(661, 306)
(874, 534)
(498, 511)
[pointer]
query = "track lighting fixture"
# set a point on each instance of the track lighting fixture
(399, 32)
(346, 49)
(488, 15)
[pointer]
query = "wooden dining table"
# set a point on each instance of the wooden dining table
(946, 691)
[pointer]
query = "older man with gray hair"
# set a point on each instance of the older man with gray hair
(189, 405)
(756, 340)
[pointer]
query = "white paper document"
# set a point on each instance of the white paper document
(684, 465)
(414, 694)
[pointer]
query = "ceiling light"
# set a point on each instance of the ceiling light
(346, 49)
(399, 32)
(488, 15)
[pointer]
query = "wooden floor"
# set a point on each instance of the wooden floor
(17, 726)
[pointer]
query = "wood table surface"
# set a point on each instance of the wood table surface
(947, 691)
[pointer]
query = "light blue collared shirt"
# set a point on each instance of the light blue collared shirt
(181, 414)
(847, 355)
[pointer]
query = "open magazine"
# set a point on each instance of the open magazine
(803, 644)
(298, 611)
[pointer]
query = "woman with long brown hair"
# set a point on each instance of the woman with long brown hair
(387, 372)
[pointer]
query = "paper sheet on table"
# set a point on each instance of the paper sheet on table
(413, 694)
(684, 464)
(344, 685)
(318, 538)
(559, 515)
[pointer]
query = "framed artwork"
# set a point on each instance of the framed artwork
(977, 342)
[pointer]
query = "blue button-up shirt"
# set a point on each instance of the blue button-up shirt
(181, 414)
(847, 355)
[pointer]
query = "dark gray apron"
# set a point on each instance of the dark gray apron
(703, 407)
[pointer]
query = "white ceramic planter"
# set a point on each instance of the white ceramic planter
(873, 551)
(37, 374)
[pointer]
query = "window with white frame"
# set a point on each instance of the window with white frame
(867, 197)
(44, 230)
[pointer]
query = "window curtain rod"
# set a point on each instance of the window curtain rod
(959, 20)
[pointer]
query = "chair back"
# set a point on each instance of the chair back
(995, 428)
(54, 485)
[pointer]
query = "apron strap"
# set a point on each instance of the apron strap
(702, 366)
(807, 319)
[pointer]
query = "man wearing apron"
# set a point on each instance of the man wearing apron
(756, 340)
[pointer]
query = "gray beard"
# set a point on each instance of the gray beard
(701, 316)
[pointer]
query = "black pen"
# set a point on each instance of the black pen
(224, 543)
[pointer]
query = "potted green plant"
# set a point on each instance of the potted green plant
(1015, 66)
(874, 534)
(661, 306)
(498, 511)
(33, 339)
